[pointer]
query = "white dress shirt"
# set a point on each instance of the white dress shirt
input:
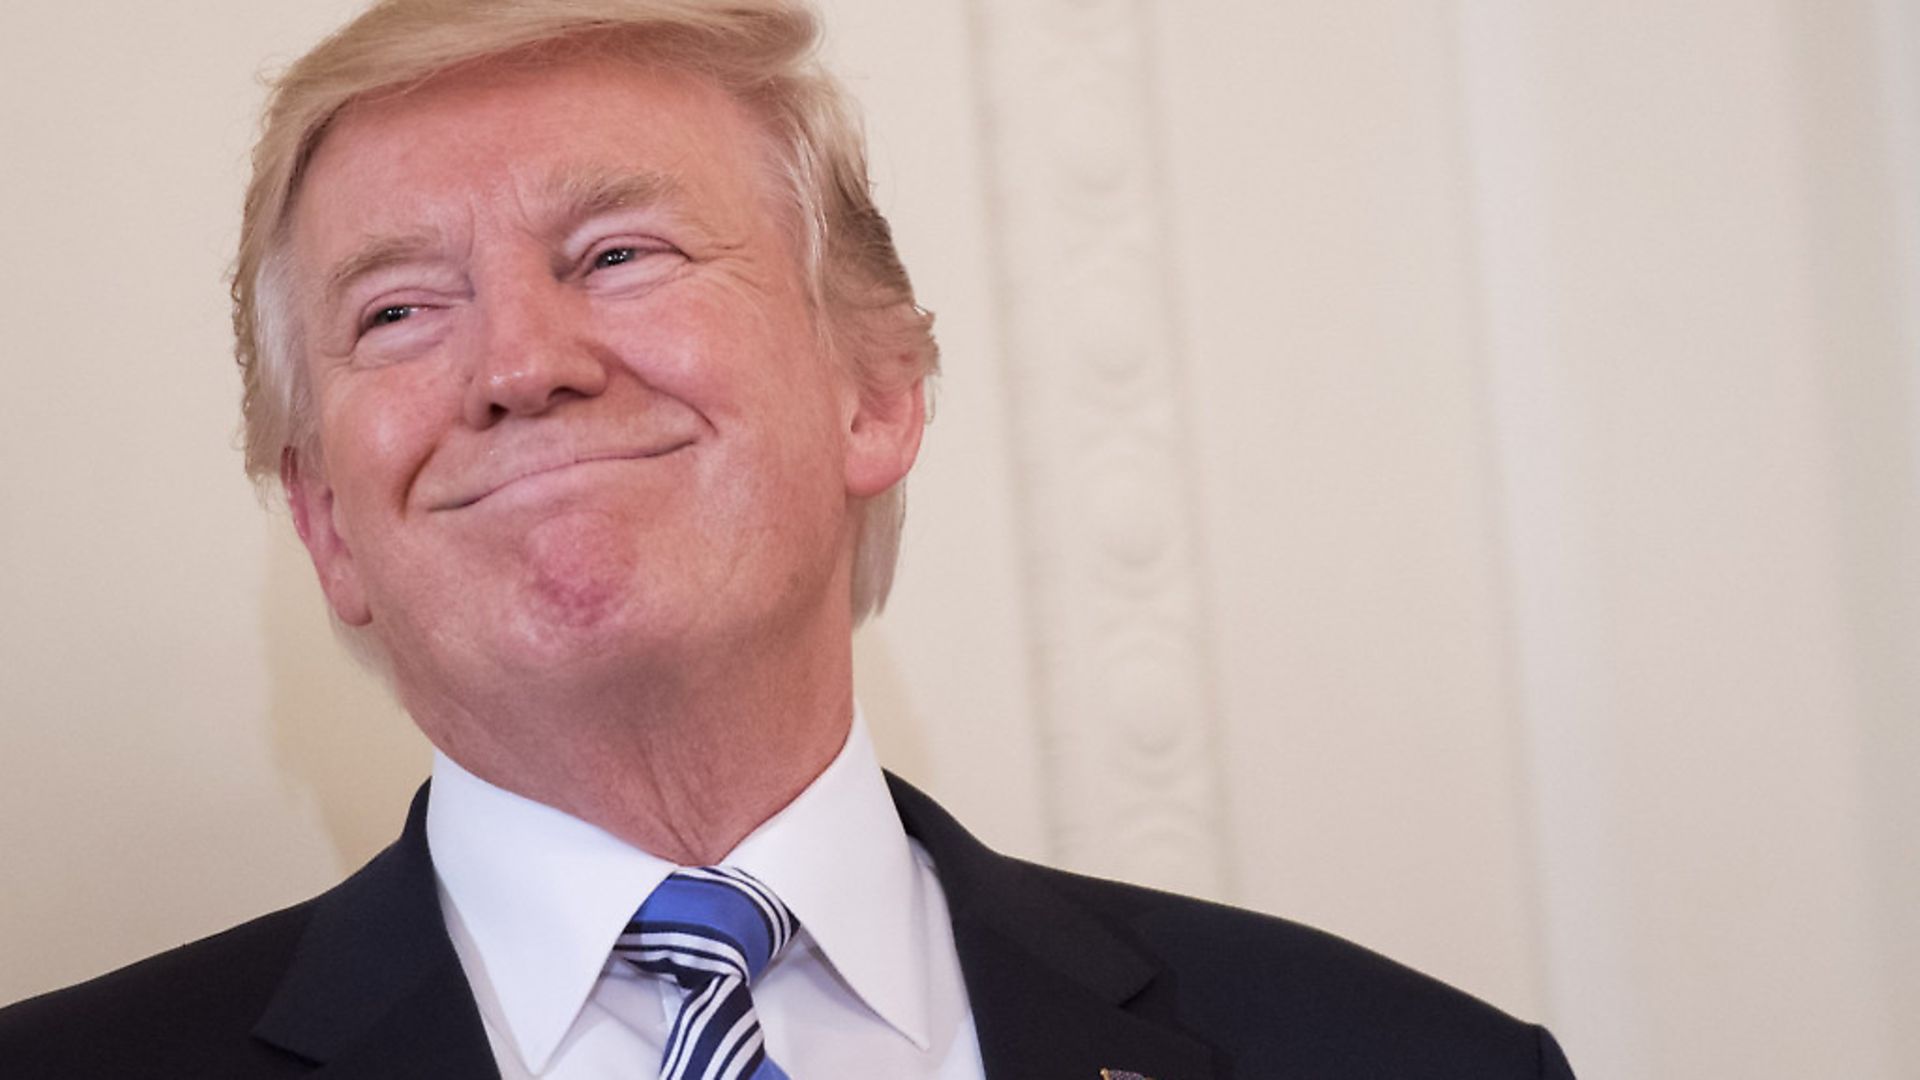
(870, 987)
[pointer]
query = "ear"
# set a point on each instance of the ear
(883, 436)
(310, 498)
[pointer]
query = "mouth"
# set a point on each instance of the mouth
(539, 471)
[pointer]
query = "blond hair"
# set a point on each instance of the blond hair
(760, 51)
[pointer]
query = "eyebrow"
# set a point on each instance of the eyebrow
(578, 196)
(378, 255)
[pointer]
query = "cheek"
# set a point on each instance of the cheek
(378, 431)
(678, 348)
(719, 347)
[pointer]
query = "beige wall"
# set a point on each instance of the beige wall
(1443, 471)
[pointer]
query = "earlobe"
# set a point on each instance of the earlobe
(883, 437)
(310, 501)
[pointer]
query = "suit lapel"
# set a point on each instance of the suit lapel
(1057, 994)
(375, 989)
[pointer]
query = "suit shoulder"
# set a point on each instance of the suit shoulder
(1186, 931)
(1269, 989)
(208, 992)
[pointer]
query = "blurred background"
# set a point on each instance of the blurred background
(1447, 471)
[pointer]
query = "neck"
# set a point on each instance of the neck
(681, 759)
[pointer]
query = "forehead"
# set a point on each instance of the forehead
(517, 133)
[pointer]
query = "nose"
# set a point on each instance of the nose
(533, 355)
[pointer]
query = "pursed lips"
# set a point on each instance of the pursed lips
(547, 465)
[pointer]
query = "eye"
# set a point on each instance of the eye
(391, 314)
(623, 264)
(627, 253)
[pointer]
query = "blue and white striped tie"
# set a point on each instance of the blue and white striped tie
(713, 930)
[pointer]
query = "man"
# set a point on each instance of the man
(591, 378)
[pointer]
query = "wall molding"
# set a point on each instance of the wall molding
(1117, 617)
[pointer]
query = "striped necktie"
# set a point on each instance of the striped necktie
(713, 930)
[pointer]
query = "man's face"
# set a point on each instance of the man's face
(571, 399)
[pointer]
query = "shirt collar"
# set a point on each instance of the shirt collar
(544, 895)
(840, 859)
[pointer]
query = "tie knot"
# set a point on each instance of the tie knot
(705, 923)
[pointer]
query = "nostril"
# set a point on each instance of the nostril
(527, 378)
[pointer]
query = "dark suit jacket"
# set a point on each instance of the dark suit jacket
(1067, 976)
